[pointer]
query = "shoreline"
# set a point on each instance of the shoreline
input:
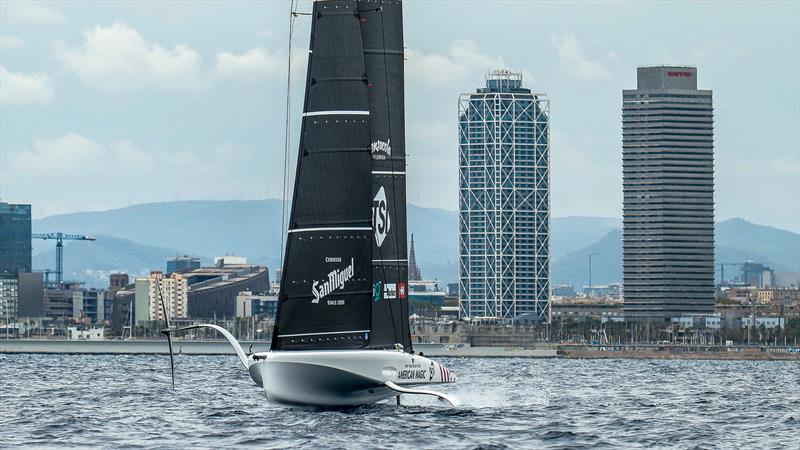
(217, 347)
(690, 355)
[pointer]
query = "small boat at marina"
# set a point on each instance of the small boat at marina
(342, 334)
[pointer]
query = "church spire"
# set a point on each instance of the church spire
(413, 269)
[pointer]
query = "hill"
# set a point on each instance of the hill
(252, 229)
(736, 241)
(743, 240)
(93, 261)
(606, 263)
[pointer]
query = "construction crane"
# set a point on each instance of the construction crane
(60, 238)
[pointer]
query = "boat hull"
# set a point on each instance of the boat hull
(341, 378)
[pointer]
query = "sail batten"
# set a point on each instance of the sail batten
(340, 275)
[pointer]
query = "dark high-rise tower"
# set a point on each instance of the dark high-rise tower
(668, 186)
(15, 256)
(15, 238)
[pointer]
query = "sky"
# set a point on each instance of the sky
(108, 104)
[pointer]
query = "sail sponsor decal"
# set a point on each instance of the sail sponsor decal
(380, 216)
(413, 372)
(336, 280)
(401, 291)
(390, 290)
(376, 291)
(381, 150)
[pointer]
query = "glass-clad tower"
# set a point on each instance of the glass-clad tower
(504, 201)
(668, 187)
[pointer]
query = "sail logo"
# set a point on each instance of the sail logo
(381, 150)
(380, 216)
(335, 281)
(376, 291)
(390, 291)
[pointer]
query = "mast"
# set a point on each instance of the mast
(344, 277)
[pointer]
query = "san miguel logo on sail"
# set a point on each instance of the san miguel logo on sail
(335, 281)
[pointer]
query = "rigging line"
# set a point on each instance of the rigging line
(287, 132)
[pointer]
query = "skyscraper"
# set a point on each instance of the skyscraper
(668, 186)
(15, 256)
(504, 200)
(15, 238)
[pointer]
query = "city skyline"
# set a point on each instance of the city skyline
(216, 110)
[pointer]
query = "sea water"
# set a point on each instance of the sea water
(127, 401)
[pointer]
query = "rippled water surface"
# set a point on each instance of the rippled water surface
(126, 401)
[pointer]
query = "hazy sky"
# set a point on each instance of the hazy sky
(107, 104)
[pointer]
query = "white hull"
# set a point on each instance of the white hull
(343, 377)
(336, 377)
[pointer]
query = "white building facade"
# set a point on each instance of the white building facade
(175, 293)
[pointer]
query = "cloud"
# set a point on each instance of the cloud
(574, 59)
(18, 88)
(432, 163)
(102, 175)
(10, 42)
(776, 191)
(613, 56)
(30, 13)
(117, 57)
(708, 49)
(254, 64)
(462, 61)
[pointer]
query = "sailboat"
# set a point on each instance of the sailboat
(341, 334)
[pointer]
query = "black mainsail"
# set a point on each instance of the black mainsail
(345, 272)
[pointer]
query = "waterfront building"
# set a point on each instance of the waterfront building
(117, 282)
(15, 256)
(757, 275)
(141, 299)
(58, 302)
(15, 238)
(504, 201)
(31, 294)
(174, 291)
(787, 279)
(668, 187)
(425, 291)
(182, 264)
(9, 296)
(262, 305)
(213, 290)
(564, 290)
(94, 304)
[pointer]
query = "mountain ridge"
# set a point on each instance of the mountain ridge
(208, 228)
